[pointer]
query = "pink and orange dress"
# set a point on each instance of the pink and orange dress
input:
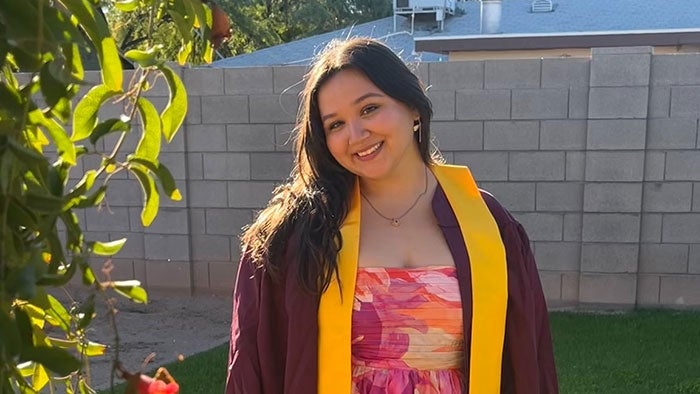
(407, 331)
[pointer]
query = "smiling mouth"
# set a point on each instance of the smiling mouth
(371, 150)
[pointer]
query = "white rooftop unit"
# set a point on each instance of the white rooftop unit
(413, 7)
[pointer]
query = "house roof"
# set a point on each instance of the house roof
(302, 52)
(573, 23)
(581, 16)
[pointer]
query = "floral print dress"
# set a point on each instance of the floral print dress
(407, 331)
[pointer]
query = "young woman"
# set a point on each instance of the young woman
(376, 269)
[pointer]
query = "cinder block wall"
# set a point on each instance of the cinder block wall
(599, 159)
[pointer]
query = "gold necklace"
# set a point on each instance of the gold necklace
(396, 222)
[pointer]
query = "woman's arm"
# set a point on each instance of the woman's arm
(528, 357)
(547, 374)
(243, 363)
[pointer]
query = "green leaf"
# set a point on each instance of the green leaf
(85, 115)
(41, 300)
(36, 315)
(28, 156)
(87, 310)
(58, 279)
(111, 63)
(23, 282)
(7, 170)
(109, 126)
(143, 58)
(92, 200)
(134, 293)
(44, 203)
(185, 11)
(174, 113)
(55, 247)
(12, 101)
(97, 29)
(24, 326)
(55, 92)
(22, 30)
(19, 215)
(84, 184)
(163, 173)
(57, 177)
(126, 5)
(59, 312)
(150, 193)
(183, 23)
(84, 265)
(200, 12)
(39, 378)
(73, 58)
(25, 369)
(107, 248)
(63, 343)
(56, 360)
(9, 340)
(35, 138)
(92, 349)
(204, 19)
(184, 52)
(74, 234)
(64, 146)
(5, 386)
(88, 276)
(148, 147)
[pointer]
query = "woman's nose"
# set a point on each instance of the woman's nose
(357, 132)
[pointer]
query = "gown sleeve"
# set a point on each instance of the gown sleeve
(244, 375)
(543, 337)
(528, 351)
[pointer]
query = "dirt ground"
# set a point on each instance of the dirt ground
(168, 326)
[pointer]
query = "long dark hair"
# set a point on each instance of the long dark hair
(310, 208)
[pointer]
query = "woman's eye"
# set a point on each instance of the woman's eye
(369, 109)
(334, 125)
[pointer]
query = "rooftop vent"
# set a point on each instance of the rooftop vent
(412, 7)
(542, 6)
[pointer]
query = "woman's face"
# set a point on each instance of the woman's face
(369, 133)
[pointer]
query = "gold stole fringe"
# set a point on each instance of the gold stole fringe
(489, 289)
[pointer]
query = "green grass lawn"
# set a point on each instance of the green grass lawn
(642, 352)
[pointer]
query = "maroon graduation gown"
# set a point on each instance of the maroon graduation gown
(274, 332)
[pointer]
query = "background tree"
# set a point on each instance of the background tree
(262, 23)
(258, 23)
(43, 136)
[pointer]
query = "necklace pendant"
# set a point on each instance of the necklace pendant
(395, 222)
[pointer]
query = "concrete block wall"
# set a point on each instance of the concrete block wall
(598, 158)
(670, 223)
(521, 126)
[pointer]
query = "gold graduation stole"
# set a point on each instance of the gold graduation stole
(489, 274)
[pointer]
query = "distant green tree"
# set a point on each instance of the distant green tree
(289, 20)
(169, 26)
(256, 24)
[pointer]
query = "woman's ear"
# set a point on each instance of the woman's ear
(415, 114)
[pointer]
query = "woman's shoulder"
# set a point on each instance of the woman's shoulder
(502, 216)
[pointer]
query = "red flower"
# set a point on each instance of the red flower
(162, 383)
(160, 387)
